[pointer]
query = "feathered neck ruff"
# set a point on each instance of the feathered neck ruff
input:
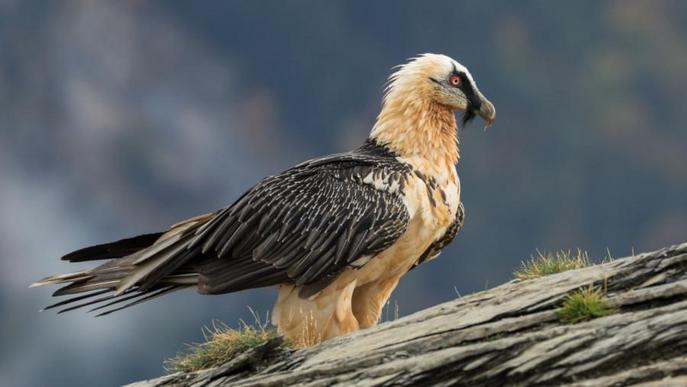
(413, 125)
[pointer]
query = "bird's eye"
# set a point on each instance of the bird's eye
(454, 80)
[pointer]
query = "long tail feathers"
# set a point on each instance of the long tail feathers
(118, 249)
(140, 269)
(102, 293)
(92, 299)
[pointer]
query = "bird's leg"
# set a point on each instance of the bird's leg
(369, 300)
(309, 321)
(343, 320)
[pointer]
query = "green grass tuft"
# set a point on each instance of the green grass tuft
(551, 263)
(583, 305)
(222, 344)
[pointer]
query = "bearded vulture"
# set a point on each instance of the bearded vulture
(334, 234)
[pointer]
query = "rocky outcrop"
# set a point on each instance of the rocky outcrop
(510, 334)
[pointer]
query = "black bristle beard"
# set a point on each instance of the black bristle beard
(468, 116)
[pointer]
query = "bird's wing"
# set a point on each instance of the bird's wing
(305, 225)
(435, 248)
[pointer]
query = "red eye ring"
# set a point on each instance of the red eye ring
(454, 80)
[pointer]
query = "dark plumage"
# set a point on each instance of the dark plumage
(302, 226)
(334, 234)
(116, 249)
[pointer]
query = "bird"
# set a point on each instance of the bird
(334, 234)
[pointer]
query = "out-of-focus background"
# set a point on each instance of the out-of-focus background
(122, 117)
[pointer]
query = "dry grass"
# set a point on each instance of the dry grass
(584, 305)
(222, 343)
(551, 263)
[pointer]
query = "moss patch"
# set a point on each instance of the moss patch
(551, 263)
(222, 344)
(583, 305)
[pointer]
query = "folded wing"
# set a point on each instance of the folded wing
(304, 226)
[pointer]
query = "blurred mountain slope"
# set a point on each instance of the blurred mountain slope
(122, 117)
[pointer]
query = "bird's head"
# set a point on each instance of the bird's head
(442, 80)
(418, 114)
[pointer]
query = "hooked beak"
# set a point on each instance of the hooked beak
(487, 111)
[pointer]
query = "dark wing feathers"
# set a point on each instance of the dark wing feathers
(140, 297)
(116, 249)
(435, 248)
(77, 298)
(303, 226)
(310, 222)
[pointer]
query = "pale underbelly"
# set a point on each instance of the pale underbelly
(394, 261)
